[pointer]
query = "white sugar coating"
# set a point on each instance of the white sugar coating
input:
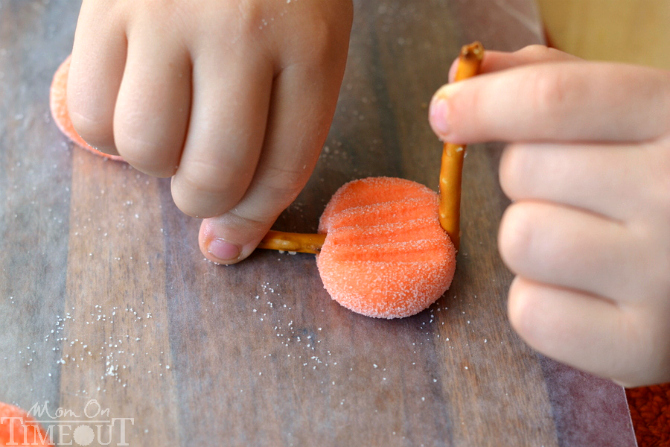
(386, 255)
(375, 190)
(403, 231)
(398, 210)
(354, 282)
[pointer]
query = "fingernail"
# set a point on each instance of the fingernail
(438, 116)
(223, 250)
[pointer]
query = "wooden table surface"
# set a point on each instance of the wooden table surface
(108, 309)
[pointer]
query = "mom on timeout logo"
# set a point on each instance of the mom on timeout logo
(42, 426)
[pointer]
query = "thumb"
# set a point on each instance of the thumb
(230, 238)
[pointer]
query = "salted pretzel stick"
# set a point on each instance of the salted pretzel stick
(293, 242)
(451, 171)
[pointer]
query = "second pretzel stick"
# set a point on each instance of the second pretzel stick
(451, 170)
(293, 242)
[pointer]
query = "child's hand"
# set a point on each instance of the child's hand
(588, 234)
(233, 98)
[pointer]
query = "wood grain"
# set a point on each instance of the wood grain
(116, 333)
(104, 294)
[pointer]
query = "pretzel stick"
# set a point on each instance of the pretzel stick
(451, 171)
(293, 242)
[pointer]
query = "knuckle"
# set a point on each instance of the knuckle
(95, 132)
(145, 155)
(211, 177)
(273, 190)
(173, 14)
(522, 311)
(204, 191)
(513, 170)
(184, 200)
(515, 236)
(85, 115)
(250, 17)
(321, 44)
(284, 182)
(550, 92)
(539, 52)
(252, 222)
(322, 35)
(325, 35)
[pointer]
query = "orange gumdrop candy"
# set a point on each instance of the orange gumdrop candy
(59, 111)
(18, 428)
(385, 255)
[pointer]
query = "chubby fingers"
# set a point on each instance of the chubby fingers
(591, 291)
(152, 108)
(226, 132)
(96, 70)
(586, 332)
(555, 101)
(532, 54)
(588, 177)
(567, 247)
(129, 87)
(303, 103)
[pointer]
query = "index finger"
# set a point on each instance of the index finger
(560, 101)
(502, 60)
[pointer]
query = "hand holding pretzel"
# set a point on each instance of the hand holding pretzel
(588, 232)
